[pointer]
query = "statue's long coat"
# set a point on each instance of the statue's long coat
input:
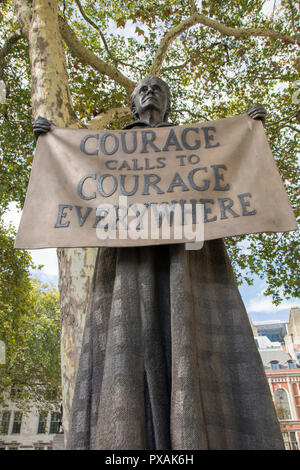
(168, 358)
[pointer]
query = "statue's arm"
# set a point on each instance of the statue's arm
(41, 126)
(257, 112)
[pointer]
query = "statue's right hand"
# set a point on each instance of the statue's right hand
(41, 126)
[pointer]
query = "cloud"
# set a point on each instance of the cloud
(264, 304)
(48, 258)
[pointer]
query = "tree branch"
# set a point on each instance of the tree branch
(23, 12)
(105, 119)
(115, 59)
(85, 55)
(197, 18)
(291, 127)
(7, 47)
(193, 7)
(285, 119)
(175, 67)
(293, 17)
(196, 116)
(97, 29)
(9, 43)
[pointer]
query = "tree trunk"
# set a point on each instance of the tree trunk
(76, 268)
(51, 99)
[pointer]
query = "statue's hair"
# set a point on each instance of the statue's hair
(166, 88)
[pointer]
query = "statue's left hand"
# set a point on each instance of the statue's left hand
(257, 112)
(41, 126)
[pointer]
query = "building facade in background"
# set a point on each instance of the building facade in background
(279, 347)
(27, 431)
(285, 389)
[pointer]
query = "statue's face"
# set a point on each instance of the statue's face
(150, 94)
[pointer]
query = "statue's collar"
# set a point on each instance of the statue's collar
(146, 124)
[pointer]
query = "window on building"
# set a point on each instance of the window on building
(274, 365)
(54, 424)
(290, 441)
(293, 439)
(282, 404)
(17, 422)
(291, 365)
(12, 448)
(5, 422)
(42, 422)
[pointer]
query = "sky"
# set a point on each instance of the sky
(258, 306)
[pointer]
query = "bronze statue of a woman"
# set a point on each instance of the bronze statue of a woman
(168, 357)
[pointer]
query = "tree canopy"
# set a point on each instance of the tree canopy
(31, 373)
(218, 57)
(29, 330)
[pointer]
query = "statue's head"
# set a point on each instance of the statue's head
(151, 92)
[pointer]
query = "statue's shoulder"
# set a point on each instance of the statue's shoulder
(136, 124)
(142, 124)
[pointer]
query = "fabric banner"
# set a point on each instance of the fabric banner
(148, 186)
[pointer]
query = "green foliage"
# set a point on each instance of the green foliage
(211, 75)
(16, 143)
(31, 373)
(29, 328)
(15, 282)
